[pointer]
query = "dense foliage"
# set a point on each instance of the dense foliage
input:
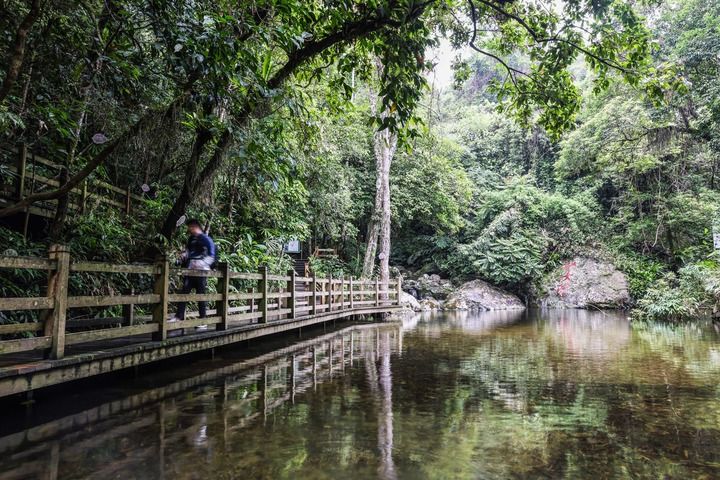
(635, 180)
(575, 129)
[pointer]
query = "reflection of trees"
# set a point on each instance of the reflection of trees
(434, 324)
(205, 423)
(589, 334)
(694, 345)
(379, 381)
(577, 392)
(570, 395)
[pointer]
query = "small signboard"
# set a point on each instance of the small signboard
(716, 238)
(293, 246)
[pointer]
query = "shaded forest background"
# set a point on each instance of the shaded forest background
(482, 184)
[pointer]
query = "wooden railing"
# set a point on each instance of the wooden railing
(33, 173)
(324, 253)
(261, 298)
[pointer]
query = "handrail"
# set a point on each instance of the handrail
(240, 297)
(113, 196)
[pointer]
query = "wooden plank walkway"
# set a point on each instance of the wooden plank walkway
(41, 347)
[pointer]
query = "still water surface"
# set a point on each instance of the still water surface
(504, 395)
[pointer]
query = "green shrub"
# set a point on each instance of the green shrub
(692, 292)
(322, 267)
(521, 232)
(642, 272)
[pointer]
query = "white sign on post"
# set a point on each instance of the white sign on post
(716, 238)
(293, 246)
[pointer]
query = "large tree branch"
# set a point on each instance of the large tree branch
(554, 39)
(17, 54)
(347, 34)
(510, 70)
(98, 160)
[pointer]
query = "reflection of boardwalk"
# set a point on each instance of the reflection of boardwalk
(237, 395)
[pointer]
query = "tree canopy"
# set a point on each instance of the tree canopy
(259, 117)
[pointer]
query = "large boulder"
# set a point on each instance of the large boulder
(480, 295)
(585, 283)
(428, 286)
(409, 302)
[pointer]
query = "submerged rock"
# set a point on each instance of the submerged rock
(585, 283)
(480, 295)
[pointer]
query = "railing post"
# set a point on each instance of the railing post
(58, 291)
(377, 292)
(330, 293)
(21, 166)
(128, 313)
(291, 288)
(160, 310)
(352, 300)
(83, 198)
(342, 292)
(313, 297)
(264, 290)
(223, 309)
(399, 289)
(127, 201)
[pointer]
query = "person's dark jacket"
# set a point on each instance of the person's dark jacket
(200, 252)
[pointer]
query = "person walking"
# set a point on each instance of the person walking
(199, 254)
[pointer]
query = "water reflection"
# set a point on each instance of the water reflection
(590, 334)
(434, 325)
(160, 432)
(380, 383)
(568, 394)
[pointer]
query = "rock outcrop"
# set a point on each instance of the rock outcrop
(409, 302)
(585, 283)
(480, 295)
(427, 304)
(428, 286)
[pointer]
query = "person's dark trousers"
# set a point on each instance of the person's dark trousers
(190, 283)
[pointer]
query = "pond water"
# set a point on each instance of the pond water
(503, 395)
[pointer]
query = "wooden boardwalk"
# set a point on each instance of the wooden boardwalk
(60, 336)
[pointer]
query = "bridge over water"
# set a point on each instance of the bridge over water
(62, 335)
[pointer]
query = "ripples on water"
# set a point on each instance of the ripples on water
(565, 394)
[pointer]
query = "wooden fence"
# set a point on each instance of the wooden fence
(262, 298)
(33, 173)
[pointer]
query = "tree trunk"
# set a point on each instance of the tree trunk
(379, 227)
(193, 181)
(373, 226)
(58, 223)
(385, 144)
(388, 145)
(17, 54)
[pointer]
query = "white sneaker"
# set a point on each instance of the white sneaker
(173, 320)
(201, 328)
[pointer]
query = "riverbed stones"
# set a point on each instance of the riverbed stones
(585, 283)
(480, 295)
